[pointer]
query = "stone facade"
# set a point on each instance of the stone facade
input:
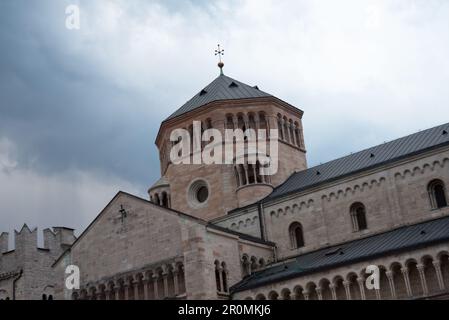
(204, 230)
(226, 191)
(25, 272)
(393, 195)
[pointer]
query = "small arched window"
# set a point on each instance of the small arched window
(296, 235)
(280, 127)
(358, 217)
(437, 193)
(224, 277)
(164, 200)
(229, 122)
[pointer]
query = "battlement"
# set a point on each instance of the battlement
(27, 239)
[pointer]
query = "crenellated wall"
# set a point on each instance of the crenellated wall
(26, 271)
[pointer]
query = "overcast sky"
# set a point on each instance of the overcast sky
(80, 109)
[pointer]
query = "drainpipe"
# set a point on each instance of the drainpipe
(263, 229)
(14, 284)
(261, 221)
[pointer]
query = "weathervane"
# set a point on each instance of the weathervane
(220, 52)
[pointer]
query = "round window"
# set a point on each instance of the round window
(202, 194)
(198, 193)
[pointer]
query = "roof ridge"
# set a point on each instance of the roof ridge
(406, 237)
(349, 164)
(219, 89)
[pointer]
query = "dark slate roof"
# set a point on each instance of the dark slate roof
(241, 235)
(376, 156)
(401, 239)
(222, 88)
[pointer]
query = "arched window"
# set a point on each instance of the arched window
(224, 277)
(296, 235)
(241, 122)
(280, 127)
(251, 177)
(358, 217)
(156, 199)
(229, 122)
(44, 297)
(208, 123)
(263, 122)
(437, 193)
(164, 200)
(251, 121)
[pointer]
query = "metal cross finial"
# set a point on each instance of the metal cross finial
(220, 52)
(123, 213)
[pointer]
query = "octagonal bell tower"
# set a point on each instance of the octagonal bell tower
(209, 191)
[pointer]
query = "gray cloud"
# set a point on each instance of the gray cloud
(86, 105)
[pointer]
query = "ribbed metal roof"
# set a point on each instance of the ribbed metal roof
(363, 160)
(222, 88)
(404, 238)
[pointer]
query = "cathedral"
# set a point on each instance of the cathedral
(229, 231)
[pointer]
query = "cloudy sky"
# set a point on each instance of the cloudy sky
(80, 109)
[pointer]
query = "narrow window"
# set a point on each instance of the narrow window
(296, 235)
(358, 217)
(437, 193)
(224, 276)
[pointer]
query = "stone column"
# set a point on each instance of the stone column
(239, 175)
(407, 281)
(390, 278)
(117, 290)
(220, 277)
(255, 173)
(287, 133)
(136, 288)
(334, 293)
(319, 293)
(306, 295)
(165, 280)
(107, 294)
(175, 281)
(155, 279)
(281, 123)
(145, 283)
(361, 283)
(292, 133)
(422, 276)
(347, 289)
(245, 167)
(437, 266)
(378, 297)
(354, 222)
(127, 287)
